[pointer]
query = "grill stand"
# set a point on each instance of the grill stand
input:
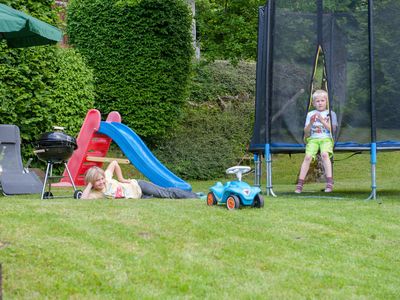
(49, 177)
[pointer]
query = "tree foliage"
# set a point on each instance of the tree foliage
(209, 141)
(41, 9)
(211, 81)
(140, 52)
(217, 125)
(227, 29)
(43, 86)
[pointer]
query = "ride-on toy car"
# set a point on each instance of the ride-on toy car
(235, 193)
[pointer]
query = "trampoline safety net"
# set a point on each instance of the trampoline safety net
(290, 33)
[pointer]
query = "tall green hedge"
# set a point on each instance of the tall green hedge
(228, 29)
(220, 78)
(140, 52)
(43, 86)
(218, 123)
(209, 141)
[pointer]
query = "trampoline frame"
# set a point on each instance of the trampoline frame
(264, 68)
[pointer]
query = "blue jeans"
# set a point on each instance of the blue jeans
(150, 190)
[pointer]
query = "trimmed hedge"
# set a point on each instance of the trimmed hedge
(43, 86)
(217, 127)
(140, 52)
(208, 142)
(221, 78)
(228, 29)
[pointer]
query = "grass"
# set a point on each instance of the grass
(296, 247)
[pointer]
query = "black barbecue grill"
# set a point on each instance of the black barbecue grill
(55, 148)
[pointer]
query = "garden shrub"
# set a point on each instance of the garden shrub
(41, 9)
(43, 86)
(212, 137)
(221, 78)
(72, 91)
(140, 52)
(228, 29)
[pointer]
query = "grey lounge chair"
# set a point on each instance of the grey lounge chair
(14, 178)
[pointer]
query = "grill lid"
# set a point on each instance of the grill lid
(56, 138)
(55, 147)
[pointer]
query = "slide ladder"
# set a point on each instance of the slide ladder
(90, 143)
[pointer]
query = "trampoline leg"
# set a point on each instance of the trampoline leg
(373, 196)
(268, 167)
(257, 170)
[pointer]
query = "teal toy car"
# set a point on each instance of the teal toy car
(237, 193)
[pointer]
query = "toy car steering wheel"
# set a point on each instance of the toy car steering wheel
(238, 170)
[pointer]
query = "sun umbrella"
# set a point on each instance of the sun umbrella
(22, 30)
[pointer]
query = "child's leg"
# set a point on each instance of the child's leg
(305, 166)
(326, 152)
(326, 161)
(152, 190)
(312, 147)
(328, 171)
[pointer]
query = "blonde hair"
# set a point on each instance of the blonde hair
(320, 93)
(93, 174)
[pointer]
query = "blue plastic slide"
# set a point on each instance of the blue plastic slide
(141, 157)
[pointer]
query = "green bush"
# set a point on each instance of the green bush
(140, 52)
(43, 86)
(228, 29)
(214, 134)
(41, 9)
(220, 78)
(72, 91)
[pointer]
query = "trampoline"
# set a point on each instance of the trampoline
(357, 47)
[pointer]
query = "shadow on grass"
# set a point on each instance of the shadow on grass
(342, 195)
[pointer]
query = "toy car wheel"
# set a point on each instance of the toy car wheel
(211, 200)
(77, 194)
(258, 201)
(232, 202)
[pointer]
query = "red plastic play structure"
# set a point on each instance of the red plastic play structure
(91, 143)
(94, 141)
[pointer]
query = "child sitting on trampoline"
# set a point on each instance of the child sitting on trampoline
(100, 184)
(318, 134)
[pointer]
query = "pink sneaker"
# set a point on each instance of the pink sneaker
(329, 188)
(299, 189)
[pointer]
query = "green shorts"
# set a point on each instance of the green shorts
(323, 145)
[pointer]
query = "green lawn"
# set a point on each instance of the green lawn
(296, 247)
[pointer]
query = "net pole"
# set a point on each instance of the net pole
(320, 13)
(372, 94)
(260, 86)
(268, 94)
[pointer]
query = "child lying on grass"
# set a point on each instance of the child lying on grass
(100, 184)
